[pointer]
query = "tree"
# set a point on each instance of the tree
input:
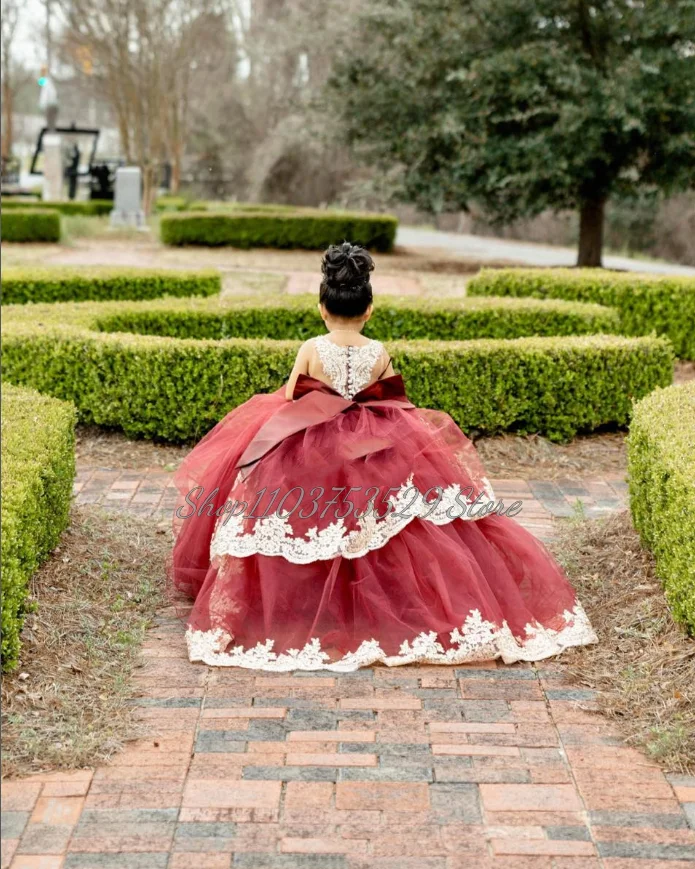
(524, 105)
(14, 76)
(142, 55)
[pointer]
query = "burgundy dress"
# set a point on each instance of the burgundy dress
(348, 527)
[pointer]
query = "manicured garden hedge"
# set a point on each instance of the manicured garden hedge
(38, 469)
(89, 207)
(308, 230)
(30, 224)
(645, 303)
(20, 285)
(177, 389)
(661, 467)
(296, 317)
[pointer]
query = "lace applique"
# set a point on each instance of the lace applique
(349, 369)
(476, 640)
(274, 535)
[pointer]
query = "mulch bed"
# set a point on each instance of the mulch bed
(67, 704)
(644, 664)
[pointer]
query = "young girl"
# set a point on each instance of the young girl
(333, 525)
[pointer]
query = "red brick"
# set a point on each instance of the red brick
(331, 736)
(301, 794)
(246, 712)
(331, 759)
(529, 797)
(20, 795)
(37, 861)
(382, 703)
(57, 810)
(470, 727)
(463, 750)
(205, 793)
(544, 847)
(333, 845)
(382, 796)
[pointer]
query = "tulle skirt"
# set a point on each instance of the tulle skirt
(327, 533)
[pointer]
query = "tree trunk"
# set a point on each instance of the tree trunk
(8, 132)
(591, 218)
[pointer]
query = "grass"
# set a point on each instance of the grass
(67, 705)
(643, 667)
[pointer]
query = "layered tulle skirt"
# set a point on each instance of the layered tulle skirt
(327, 533)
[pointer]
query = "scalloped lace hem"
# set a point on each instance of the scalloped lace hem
(274, 535)
(476, 640)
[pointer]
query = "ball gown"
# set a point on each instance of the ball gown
(348, 527)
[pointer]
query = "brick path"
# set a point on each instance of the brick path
(473, 767)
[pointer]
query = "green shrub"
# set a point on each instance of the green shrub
(31, 224)
(89, 207)
(38, 469)
(645, 303)
(24, 284)
(171, 203)
(297, 318)
(309, 230)
(177, 389)
(661, 468)
(250, 207)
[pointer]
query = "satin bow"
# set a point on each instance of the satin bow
(315, 402)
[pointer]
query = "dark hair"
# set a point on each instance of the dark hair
(346, 290)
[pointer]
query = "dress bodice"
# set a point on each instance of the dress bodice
(350, 368)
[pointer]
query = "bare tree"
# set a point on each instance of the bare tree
(13, 75)
(142, 55)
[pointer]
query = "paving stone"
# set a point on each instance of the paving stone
(293, 773)
(153, 860)
(458, 803)
(387, 774)
(637, 819)
(168, 702)
(646, 851)
(221, 741)
(499, 673)
(485, 710)
(582, 834)
(289, 861)
(570, 694)
(12, 824)
(44, 839)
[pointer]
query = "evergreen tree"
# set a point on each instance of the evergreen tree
(524, 105)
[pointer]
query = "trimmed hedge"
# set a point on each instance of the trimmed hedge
(22, 284)
(177, 389)
(249, 207)
(307, 230)
(89, 207)
(31, 224)
(661, 468)
(171, 203)
(645, 303)
(296, 318)
(38, 470)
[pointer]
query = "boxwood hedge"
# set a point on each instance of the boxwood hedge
(311, 230)
(661, 468)
(30, 224)
(30, 284)
(178, 388)
(38, 469)
(296, 317)
(645, 303)
(90, 207)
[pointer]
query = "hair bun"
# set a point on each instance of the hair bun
(346, 266)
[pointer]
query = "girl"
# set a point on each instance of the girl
(333, 525)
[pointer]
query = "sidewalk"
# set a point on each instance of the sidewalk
(418, 767)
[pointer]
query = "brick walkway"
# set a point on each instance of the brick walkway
(474, 767)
